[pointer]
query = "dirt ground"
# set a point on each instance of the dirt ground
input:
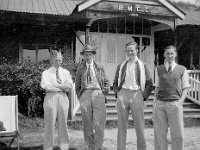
(34, 140)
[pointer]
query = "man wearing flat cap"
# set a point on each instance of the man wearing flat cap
(56, 81)
(92, 85)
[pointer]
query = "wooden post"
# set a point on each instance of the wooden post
(175, 38)
(87, 31)
(36, 50)
(50, 51)
(199, 63)
(20, 52)
(191, 59)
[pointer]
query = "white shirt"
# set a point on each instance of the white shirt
(184, 79)
(95, 84)
(91, 67)
(49, 77)
(130, 80)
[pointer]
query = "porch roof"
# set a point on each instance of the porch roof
(66, 7)
(170, 6)
(51, 7)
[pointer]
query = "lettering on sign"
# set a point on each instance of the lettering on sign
(134, 8)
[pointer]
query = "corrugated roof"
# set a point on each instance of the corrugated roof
(191, 18)
(54, 7)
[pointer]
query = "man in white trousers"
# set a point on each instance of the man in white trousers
(56, 81)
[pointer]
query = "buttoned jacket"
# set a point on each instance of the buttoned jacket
(81, 78)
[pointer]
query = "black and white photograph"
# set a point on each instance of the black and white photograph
(99, 74)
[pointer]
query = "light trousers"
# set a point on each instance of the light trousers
(93, 112)
(130, 100)
(168, 114)
(56, 107)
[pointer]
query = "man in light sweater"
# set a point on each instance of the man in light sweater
(171, 88)
(132, 86)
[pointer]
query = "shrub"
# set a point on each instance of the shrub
(23, 79)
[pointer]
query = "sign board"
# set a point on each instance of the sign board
(133, 9)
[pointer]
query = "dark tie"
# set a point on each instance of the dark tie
(58, 77)
(89, 77)
(169, 69)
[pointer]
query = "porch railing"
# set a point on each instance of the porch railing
(194, 91)
(195, 74)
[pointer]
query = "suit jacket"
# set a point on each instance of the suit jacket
(148, 86)
(81, 78)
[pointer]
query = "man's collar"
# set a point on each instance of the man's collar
(91, 64)
(134, 61)
(54, 68)
(173, 64)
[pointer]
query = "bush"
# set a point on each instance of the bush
(23, 79)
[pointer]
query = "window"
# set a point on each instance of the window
(94, 26)
(112, 25)
(130, 26)
(145, 41)
(146, 27)
(103, 25)
(138, 26)
(121, 25)
(136, 39)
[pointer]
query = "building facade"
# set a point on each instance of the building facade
(34, 28)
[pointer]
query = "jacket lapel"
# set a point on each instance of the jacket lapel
(123, 74)
(97, 71)
(84, 71)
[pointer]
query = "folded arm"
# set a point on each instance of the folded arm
(45, 84)
(64, 86)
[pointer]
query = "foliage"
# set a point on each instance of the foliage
(23, 79)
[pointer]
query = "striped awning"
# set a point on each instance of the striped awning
(52, 7)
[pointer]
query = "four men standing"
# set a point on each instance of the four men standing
(132, 86)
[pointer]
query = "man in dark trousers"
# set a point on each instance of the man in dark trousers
(171, 88)
(92, 86)
(132, 86)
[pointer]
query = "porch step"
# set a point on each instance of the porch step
(190, 109)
